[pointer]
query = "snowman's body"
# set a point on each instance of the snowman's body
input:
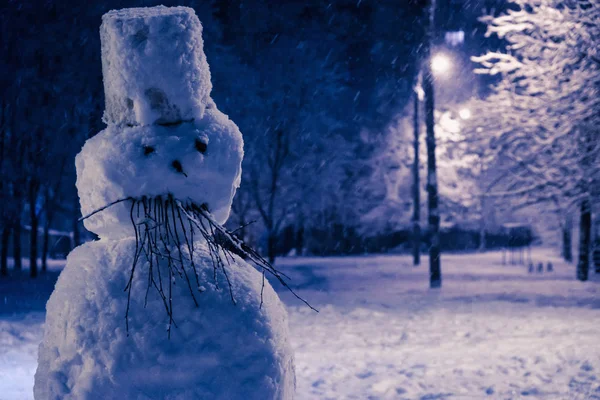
(160, 142)
(217, 351)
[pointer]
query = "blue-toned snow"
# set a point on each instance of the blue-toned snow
(492, 331)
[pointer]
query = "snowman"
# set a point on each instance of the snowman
(158, 307)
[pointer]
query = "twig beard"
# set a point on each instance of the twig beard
(166, 229)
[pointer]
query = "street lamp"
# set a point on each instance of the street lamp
(440, 64)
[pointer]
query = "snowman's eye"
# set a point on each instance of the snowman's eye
(148, 150)
(200, 146)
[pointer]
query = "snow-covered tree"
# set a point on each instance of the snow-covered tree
(542, 116)
(388, 206)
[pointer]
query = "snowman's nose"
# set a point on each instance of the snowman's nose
(177, 167)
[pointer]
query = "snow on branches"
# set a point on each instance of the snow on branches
(541, 116)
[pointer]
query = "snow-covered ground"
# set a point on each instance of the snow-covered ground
(492, 331)
(19, 339)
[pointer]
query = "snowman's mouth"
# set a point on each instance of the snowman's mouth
(166, 230)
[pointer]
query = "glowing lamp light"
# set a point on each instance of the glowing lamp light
(464, 113)
(440, 64)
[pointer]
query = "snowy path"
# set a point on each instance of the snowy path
(492, 332)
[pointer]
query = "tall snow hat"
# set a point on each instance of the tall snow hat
(154, 67)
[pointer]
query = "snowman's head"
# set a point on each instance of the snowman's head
(197, 163)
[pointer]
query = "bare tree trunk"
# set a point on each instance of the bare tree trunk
(585, 235)
(45, 245)
(275, 161)
(299, 239)
(567, 245)
(50, 202)
(241, 232)
(240, 208)
(482, 227)
(6, 227)
(33, 246)
(416, 185)
(4, 250)
(435, 272)
(271, 245)
(596, 258)
(17, 245)
(482, 237)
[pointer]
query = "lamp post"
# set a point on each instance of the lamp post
(435, 271)
(439, 65)
(418, 96)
